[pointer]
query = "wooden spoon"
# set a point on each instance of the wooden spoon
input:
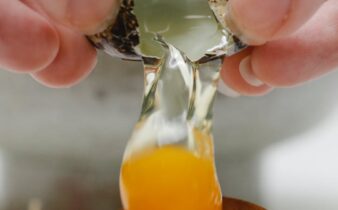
(235, 204)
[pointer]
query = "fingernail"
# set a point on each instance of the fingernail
(234, 27)
(247, 73)
(226, 90)
(92, 17)
(230, 22)
(87, 16)
(256, 21)
(109, 20)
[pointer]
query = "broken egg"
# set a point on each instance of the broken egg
(195, 27)
(168, 163)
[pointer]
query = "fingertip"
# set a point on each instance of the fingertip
(268, 64)
(237, 77)
(247, 73)
(47, 77)
(226, 90)
(86, 16)
(89, 19)
(28, 41)
(302, 57)
(75, 61)
(256, 22)
(46, 48)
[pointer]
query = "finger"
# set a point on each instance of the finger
(307, 55)
(87, 16)
(27, 41)
(75, 60)
(259, 21)
(233, 82)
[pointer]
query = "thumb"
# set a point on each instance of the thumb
(259, 21)
(86, 16)
(306, 55)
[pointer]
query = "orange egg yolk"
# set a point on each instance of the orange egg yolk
(170, 178)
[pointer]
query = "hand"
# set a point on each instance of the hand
(44, 37)
(295, 41)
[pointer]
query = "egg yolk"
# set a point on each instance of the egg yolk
(170, 178)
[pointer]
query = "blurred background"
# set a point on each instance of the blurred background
(61, 149)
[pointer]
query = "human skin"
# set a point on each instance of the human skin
(293, 41)
(44, 38)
